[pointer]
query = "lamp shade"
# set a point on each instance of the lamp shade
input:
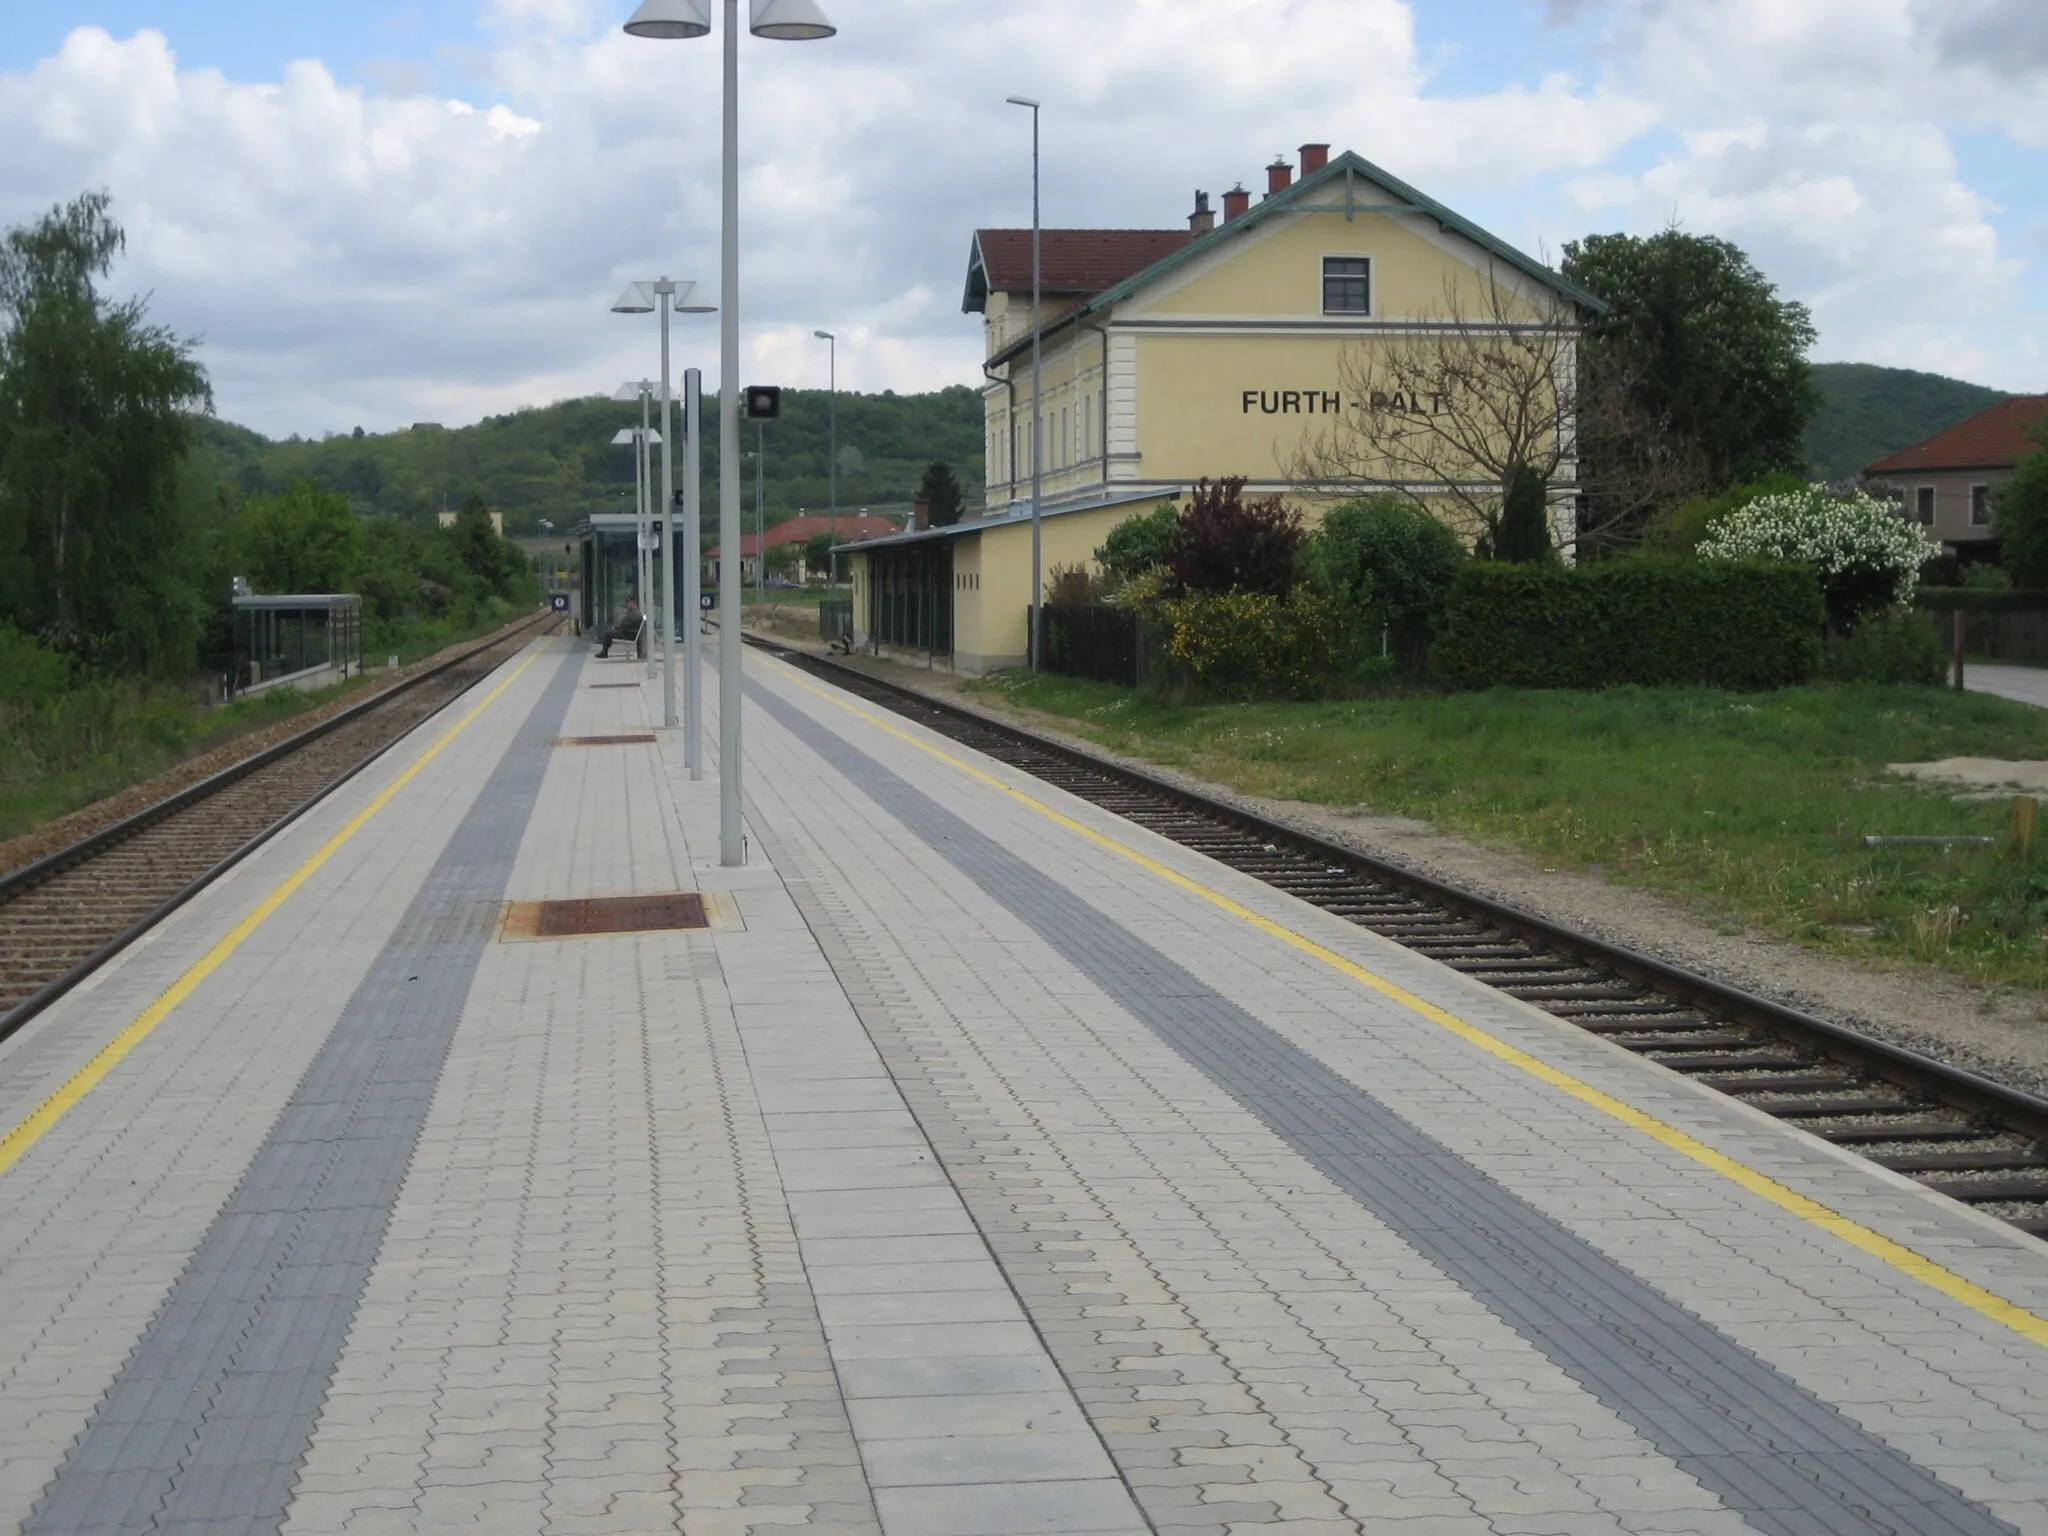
(691, 300)
(790, 21)
(669, 19)
(624, 436)
(638, 299)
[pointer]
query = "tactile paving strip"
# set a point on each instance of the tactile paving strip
(207, 1423)
(1789, 1463)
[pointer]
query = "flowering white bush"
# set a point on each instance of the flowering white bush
(1868, 556)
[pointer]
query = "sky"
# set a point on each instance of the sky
(379, 213)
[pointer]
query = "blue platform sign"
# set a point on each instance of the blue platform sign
(559, 602)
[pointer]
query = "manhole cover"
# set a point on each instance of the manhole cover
(601, 741)
(605, 914)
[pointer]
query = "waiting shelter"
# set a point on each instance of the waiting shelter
(610, 556)
(303, 640)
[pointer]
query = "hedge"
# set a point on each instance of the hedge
(1715, 624)
(1979, 600)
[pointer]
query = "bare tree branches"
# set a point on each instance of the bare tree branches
(1442, 410)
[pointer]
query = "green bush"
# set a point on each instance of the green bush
(1896, 647)
(1391, 563)
(1247, 645)
(1734, 624)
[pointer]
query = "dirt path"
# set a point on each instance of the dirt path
(88, 819)
(1990, 1030)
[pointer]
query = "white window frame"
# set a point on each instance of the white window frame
(1980, 494)
(1371, 285)
(1924, 500)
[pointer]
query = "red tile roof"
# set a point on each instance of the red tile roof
(795, 530)
(1991, 439)
(1083, 261)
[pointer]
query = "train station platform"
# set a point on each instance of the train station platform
(983, 1165)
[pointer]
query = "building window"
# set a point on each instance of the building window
(1923, 503)
(1980, 506)
(1347, 285)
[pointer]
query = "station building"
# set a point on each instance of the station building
(1170, 355)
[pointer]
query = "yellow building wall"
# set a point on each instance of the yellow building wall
(1278, 271)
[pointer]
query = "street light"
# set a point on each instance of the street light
(638, 299)
(786, 21)
(1037, 380)
(832, 458)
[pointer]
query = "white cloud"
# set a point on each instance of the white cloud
(355, 255)
(1806, 132)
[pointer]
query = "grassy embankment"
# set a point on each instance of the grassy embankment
(63, 749)
(1752, 808)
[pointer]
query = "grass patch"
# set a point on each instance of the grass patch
(63, 748)
(1752, 806)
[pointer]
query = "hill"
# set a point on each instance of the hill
(557, 461)
(1872, 411)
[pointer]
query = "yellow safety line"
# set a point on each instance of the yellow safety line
(51, 1110)
(1987, 1303)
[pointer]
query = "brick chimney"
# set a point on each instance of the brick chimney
(921, 512)
(1313, 158)
(1203, 219)
(1235, 201)
(1279, 175)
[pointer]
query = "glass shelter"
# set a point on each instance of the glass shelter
(296, 640)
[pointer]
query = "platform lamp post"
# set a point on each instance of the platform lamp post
(832, 450)
(1037, 381)
(681, 298)
(784, 21)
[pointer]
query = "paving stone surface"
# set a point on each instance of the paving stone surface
(963, 1179)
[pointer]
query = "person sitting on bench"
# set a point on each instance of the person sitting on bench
(627, 629)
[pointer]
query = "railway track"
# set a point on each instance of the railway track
(67, 914)
(1953, 1131)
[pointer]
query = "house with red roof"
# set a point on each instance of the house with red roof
(798, 532)
(1947, 482)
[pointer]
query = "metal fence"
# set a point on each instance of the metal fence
(1094, 641)
(835, 619)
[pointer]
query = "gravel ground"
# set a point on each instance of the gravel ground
(86, 820)
(1996, 1032)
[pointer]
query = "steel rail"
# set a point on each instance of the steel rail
(1664, 987)
(19, 882)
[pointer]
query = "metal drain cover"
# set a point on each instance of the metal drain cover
(601, 741)
(606, 914)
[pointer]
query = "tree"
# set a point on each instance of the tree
(940, 489)
(818, 555)
(780, 560)
(1524, 536)
(97, 415)
(2019, 513)
(1705, 348)
(1445, 413)
(1139, 544)
(305, 540)
(1223, 543)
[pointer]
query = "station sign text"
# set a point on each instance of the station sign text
(1328, 402)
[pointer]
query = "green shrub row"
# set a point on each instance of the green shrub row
(1741, 625)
